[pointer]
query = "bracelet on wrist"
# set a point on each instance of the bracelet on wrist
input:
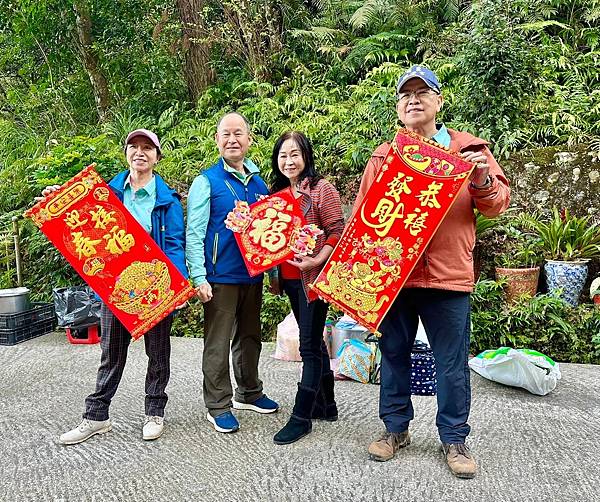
(486, 184)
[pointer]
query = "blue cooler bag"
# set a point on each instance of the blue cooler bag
(423, 380)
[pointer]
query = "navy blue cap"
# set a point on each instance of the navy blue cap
(425, 74)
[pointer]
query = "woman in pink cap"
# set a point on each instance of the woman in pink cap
(157, 208)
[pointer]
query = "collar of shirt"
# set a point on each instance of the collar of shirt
(250, 166)
(148, 190)
(442, 137)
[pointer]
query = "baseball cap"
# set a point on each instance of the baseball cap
(418, 71)
(146, 134)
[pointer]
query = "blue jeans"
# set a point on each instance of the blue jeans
(446, 316)
(311, 319)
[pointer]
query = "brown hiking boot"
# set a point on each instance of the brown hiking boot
(386, 447)
(459, 459)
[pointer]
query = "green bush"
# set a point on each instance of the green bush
(189, 321)
(70, 155)
(274, 309)
(44, 268)
(544, 323)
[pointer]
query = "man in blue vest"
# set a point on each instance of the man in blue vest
(232, 299)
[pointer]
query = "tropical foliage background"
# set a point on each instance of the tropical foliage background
(77, 75)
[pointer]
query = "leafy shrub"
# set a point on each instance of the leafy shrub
(274, 309)
(189, 321)
(44, 267)
(495, 65)
(565, 236)
(544, 323)
(70, 155)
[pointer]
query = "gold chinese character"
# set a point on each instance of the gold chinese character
(428, 198)
(73, 220)
(416, 222)
(118, 241)
(84, 245)
(386, 213)
(398, 186)
(269, 230)
(102, 217)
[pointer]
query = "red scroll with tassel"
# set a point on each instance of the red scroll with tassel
(415, 187)
(111, 251)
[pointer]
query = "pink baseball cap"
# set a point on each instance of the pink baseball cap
(146, 134)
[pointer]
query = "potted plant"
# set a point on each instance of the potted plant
(595, 291)
(568, 242)
(518, 266)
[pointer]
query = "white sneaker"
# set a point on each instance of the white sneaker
(86, 429)
(153, 428)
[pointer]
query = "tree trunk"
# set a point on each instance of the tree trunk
(196, 48)
(90, 59)
(257, 28)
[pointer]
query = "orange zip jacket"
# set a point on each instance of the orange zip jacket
(447, 262)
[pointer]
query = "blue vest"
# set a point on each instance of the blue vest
(223, 260)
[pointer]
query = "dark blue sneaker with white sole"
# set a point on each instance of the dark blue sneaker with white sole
(261, 405)
(225, 422)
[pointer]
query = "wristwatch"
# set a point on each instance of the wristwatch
(487, 184)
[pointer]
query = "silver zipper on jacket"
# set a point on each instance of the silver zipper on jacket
(215, 251)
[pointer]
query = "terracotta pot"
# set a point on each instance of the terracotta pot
(519, 281)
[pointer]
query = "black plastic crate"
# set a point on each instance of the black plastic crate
(27, 332)
(38, 312)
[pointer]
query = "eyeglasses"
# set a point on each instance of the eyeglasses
(419, 93)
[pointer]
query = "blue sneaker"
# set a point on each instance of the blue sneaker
(261, 405)
(225, 422)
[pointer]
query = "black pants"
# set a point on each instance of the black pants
(311, 322)
(114, 344)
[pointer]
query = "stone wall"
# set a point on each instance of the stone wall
(548, 177)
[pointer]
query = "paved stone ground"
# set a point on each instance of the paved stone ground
(528, 447)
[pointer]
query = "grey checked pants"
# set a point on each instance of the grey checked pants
(114, 344)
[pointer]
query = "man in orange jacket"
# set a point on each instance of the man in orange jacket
(438, 289)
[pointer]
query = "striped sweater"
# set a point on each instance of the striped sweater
(321, 206)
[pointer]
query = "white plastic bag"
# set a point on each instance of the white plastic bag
(288, 340)
(524, 368)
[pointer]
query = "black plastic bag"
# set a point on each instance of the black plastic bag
(76, 306)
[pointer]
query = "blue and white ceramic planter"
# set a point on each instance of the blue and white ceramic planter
(569, 276)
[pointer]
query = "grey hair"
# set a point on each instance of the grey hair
(239, 115)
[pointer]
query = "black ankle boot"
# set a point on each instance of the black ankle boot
(295, 429)
(324, 411)
(325, 406)
(300, 423)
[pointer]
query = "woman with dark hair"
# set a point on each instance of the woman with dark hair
(293, 167)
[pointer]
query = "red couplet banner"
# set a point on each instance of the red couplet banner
(111, 251)
(267, 237)
(412, 193)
